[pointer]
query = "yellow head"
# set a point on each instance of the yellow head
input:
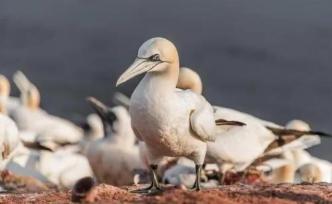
(152, 56)
(4, 93)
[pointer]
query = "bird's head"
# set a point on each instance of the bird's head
(4, 93)
(4, 86)
(298, 125)
(114, 119)
(152, 56)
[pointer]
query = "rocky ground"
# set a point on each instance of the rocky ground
(238, 193)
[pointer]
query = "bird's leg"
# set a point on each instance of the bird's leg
(154, 187)
(197, 184)
(222, 179)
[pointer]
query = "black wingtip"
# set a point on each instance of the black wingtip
(220, 122)
(322, 134)
(282, 131)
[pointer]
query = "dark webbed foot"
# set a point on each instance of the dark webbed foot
(154, 188)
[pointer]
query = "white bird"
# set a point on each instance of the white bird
(64, 168)
(95, 129)
(170, 121)
(9, 139)
(50, 131)
(60, 168)
(114, 157)
(240, 146)
(305, 167)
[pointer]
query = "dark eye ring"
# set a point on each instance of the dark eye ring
(154, 57)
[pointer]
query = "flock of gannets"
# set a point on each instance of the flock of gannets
(166, 126)
(181, 123)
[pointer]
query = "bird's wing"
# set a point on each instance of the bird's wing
(137, 133)
(201, 117)
(302, 142)
(231, 114)
(272, 164)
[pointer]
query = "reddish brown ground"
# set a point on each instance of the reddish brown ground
(264, 193)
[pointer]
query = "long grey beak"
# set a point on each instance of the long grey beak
(98, 106)
(139, 66)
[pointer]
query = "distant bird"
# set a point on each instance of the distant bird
(9, 138)
(170, 121)
(305, 167)
(64, 168)
(239, 147)
(51, 132)
(114, 157)
(59, 168)
(94, 128)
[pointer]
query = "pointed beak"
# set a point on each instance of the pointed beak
(98, 106)
(139, 66)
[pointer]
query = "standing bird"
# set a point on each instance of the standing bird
(9, 138)
(170, 121)
(114, 157)
(239, 147)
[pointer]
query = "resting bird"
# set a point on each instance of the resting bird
(114, 157)
(170, 121)
(305, 167)
(61, 168)
(239, 147)
(9, 138)
(50, 131)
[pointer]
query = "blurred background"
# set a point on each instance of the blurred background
(272, 59)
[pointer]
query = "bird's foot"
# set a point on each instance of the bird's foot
(196, 187)
(151, 190)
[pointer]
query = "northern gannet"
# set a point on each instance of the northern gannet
(60, 168)
(170, 121)
(241, 146)
(50, 131)
(9, 139)
(93, 127)
(305, 167)
(10, 103)
(114, 157)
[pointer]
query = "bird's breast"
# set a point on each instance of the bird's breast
(161, 121)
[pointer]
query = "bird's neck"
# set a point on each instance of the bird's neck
(3, 102)
(124, 137)
(162, 81)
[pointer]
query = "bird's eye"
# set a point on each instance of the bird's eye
(154, 57)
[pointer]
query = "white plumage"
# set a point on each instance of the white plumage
(61, 168)
(9, 138)
(114, 157)
(170, 121)
(238, 147)
(50, 131)
(307, 167)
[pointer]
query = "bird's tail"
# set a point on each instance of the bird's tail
(288, 139)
